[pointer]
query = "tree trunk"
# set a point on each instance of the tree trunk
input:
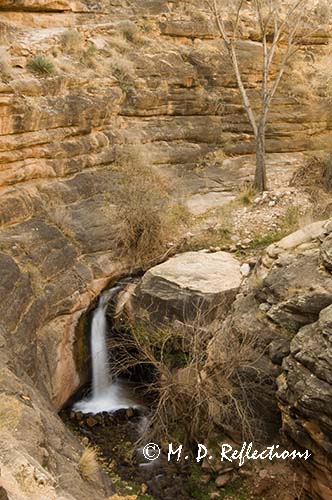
(260, 173)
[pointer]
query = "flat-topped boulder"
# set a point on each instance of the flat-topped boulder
(189, 283)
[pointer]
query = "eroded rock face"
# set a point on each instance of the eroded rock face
(287, 307)
(189, 283)
(39, 456)
(60, 135)
(47, 5)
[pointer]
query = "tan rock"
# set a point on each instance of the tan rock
(223, 480)
(179, 286)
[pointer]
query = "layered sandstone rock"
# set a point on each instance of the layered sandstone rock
(39, 456)
(286, 306)
(61, 134)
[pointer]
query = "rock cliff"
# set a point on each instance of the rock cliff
(287, 303)
(155, 77)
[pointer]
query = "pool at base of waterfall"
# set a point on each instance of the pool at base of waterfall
(117, 396)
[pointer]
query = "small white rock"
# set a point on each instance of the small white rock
(245, 269)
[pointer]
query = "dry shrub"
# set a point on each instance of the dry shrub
(119, 43)
(72, 41)
(315, 172)
(88, 465)
(143, 224)
(129, 31)
(246, 193)
(192, 394)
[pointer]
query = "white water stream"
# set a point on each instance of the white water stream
(107, 394)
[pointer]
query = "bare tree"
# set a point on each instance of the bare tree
(280, 24)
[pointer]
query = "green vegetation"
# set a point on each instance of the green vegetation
(124, 77)
(41, 65)
(211, 238)
(291, 222)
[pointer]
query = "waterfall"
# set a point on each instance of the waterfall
(107, 394)
(101, 374)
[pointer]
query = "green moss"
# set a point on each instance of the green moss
(261, 241)
(235, 490)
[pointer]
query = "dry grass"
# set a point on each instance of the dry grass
(124, 71)
(10, 413)
(72, 42)
(129, 31)
(246, 193)
(119, 43)
(191, 393)
(143, 224)
(315, 172)
(217, 236)
(88, 465)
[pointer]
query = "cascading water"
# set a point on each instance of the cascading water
(107, 394)
(101, 375)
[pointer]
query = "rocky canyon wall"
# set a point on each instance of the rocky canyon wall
(166, 86)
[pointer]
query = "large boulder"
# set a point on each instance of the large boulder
(189, 284)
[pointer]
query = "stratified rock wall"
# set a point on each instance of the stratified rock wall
(174, 95)
(287, 304)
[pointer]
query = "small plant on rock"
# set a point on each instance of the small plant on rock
(246, 193)
(129, 31)
(72, 41)
(41, 65)
(124, 78)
